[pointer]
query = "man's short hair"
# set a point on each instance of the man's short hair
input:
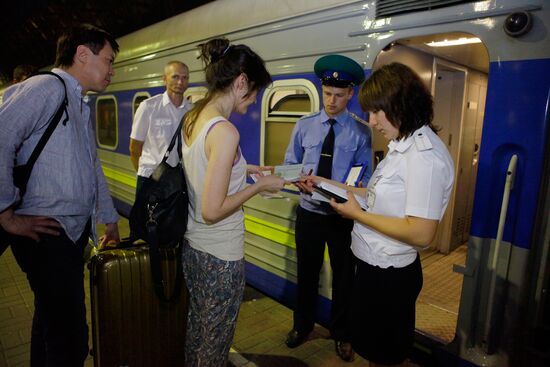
(84, 34)
(175, 62)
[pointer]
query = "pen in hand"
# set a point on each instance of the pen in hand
(303, 185)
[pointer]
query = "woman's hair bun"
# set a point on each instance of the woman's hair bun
(213, 50)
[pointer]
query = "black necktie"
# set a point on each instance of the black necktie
(325, 160)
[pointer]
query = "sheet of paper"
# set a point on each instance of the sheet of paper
(271, 195)
(289, 172)
(254, 176)
(353, 175)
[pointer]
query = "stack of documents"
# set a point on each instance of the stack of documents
(324, 191)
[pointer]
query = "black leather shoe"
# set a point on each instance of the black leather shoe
(344, 351)
(295, 339)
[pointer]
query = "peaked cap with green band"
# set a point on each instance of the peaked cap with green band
(339, 71)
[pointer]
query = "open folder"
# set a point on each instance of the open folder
(325, 191)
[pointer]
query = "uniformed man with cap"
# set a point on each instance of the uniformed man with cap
(327, 143)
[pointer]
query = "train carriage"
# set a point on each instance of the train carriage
(485, 298)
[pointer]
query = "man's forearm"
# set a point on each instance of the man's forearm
(136, 148)
(135, 161)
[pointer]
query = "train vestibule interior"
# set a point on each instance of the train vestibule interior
(455, 68)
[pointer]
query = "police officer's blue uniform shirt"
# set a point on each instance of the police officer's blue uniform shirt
(352, 145)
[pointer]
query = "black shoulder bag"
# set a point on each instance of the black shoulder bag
(159, 215)
(22, 173)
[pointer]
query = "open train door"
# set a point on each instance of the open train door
(456, 73)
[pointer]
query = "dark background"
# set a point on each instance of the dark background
(29, 28)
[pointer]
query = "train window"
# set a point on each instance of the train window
(289, 103)
(138, 98)
(195, 94)
(283, 103)
(107, 122)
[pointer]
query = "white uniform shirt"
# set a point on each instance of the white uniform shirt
(414, 179)
(155, 123)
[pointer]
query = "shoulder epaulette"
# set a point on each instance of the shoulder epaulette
(359, 119)
(422, 141)
(313, 114)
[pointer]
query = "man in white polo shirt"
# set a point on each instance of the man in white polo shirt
(156, 120)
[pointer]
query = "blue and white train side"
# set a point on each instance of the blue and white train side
(491, 83)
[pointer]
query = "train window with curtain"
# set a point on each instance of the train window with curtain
(138, 98)
(283, 103)
(107, 122)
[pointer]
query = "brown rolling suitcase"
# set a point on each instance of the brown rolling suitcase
(131, 326)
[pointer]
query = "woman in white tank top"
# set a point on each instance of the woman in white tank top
(216, 178)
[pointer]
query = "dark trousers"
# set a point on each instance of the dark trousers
(139, 183)
(55, 270)
(312, 232)
(384, 311)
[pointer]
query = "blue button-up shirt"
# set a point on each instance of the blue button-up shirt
(352, 145)
(67, 181)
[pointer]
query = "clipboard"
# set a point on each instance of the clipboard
(355, 173)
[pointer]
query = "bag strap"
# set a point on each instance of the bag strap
(154, 253)
(175, 137)
(156, 269)
(54, 121)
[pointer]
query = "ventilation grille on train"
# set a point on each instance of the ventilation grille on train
(386, 8)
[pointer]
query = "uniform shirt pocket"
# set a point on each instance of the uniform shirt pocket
(343, 156)
(389, 188)
(161, 126)
(312, 150)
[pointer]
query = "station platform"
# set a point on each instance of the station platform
(259, 339)
(261, 328)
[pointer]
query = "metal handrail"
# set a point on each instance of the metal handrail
(509, 185)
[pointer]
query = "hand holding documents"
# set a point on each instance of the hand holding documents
(325, 191)
(265, 194)
(289, 172)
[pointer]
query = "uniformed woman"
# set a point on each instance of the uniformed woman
(405, 199)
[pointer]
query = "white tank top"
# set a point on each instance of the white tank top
(224, 239)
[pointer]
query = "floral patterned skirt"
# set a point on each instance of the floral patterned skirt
(216, 289)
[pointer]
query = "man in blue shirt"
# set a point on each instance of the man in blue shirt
(66, 193)
(327, 143)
